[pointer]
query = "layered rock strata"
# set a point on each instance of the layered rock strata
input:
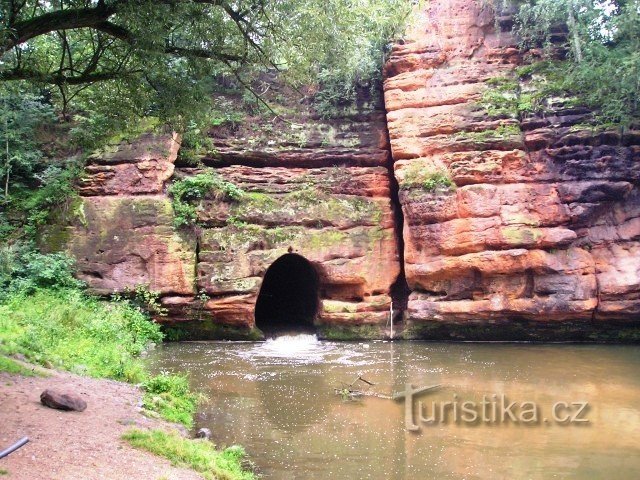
(510, 217)
(318, 189)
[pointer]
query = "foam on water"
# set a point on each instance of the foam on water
(296, 348)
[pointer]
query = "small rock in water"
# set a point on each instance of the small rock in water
(62, 401)
(204, 433)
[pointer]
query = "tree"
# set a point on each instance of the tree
(602, 67)
(158, 57)
(22, 113)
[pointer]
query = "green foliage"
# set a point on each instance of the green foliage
(33, 186)
(143, 298)
(116, 61)
(187, 192)
(344, 45)
(21, 114)
(201, 456)
(68, 329)
(24, 270)
(169, 395)
(602, 69)
(501, 132)
(416, 175)
(504, 98)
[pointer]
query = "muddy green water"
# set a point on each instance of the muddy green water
(277, 399)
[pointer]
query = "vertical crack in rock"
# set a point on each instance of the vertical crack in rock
(399, 289)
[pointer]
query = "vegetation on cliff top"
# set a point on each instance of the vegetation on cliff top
(597, 61)
(111, 62)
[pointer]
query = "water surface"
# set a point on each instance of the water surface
(278, 399)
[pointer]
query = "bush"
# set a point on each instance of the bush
(169, 395)
(24, 270)
(188, 191)
(68, 329)
(602, 65)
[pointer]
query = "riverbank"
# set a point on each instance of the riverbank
(73, 445)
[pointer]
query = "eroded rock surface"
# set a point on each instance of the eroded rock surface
(507, 216)
(317, 188)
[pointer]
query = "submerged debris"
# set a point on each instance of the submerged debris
(350, 391)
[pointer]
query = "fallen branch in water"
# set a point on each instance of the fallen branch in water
(350, 392)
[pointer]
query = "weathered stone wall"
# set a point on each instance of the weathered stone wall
(516, 225)
(508, 218)
(318, 188)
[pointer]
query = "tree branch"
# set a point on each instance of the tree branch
(52, 21)
(59, 79)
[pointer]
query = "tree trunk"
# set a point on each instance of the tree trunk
(577, 45)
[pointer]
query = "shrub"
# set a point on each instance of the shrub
(169, 395)
(427, 179)
(188, 191)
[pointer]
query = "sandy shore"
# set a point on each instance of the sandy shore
(72, 445)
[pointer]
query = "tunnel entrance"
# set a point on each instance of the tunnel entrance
(288, 300)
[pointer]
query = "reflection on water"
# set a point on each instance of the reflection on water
(277, 399)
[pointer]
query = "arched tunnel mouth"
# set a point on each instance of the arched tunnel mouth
(288, 301)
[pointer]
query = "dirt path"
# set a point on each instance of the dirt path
(72, 445)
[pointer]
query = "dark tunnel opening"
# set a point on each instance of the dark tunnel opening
(288, 300)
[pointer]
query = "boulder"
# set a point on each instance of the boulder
(62, 401)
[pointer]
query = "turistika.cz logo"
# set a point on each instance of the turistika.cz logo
(492, 409)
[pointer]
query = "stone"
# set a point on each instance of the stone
(204, 433)
(124, 241)
(62, 401)
(139, 167)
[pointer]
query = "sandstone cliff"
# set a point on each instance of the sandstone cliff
(524, 220)
(513, 224)
(316, 188)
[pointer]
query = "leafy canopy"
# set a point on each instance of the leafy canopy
(161, 58)
(602, 65)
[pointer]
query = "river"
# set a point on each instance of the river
(278, 399)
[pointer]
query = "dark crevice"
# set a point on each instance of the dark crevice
(400, 288)
(196, 263)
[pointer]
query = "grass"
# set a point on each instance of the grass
(70, 330)
(8, 365)
(201, 456)
(169, 395)
(502, 132)
(429, 179)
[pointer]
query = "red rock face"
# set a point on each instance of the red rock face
(121, 234)
(348, 236)
(319, 189)
(505, 218)
(141, 167)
